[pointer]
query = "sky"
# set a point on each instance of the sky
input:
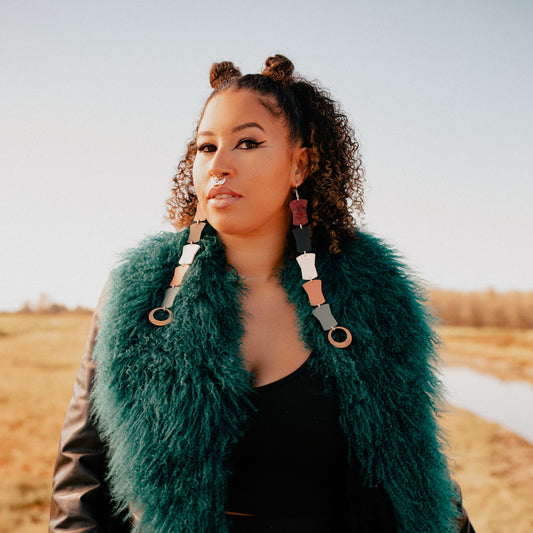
(98, 99)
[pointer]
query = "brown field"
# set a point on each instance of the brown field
(40, 355)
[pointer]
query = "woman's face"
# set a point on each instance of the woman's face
(238, 138)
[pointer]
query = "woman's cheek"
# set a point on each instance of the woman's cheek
(196, 176)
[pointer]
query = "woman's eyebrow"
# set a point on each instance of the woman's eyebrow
(237, 128)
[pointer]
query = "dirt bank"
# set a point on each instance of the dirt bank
(503, 353)
(495, 470)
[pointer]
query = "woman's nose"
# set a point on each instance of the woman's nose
(221, 162)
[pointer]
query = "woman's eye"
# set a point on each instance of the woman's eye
(248, 144)
(206, 148)
(243, 144)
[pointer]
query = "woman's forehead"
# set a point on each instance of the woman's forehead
(236, 106)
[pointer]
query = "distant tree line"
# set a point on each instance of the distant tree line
(46, 305)
(484, 308)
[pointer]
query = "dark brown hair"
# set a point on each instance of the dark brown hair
(334, 184)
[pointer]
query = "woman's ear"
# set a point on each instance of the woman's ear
(301, 160)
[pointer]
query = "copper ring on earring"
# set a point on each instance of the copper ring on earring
(153, 319)
(340, 344)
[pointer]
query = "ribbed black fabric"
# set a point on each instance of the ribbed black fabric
(289, 469)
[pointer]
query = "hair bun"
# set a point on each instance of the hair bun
(221, 72)
(279, 68)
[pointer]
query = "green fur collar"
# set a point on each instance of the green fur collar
(170, 401)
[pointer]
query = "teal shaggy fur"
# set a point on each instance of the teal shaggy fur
(170, 401)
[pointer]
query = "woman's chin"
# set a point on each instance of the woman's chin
(227, 225)
(239, 223)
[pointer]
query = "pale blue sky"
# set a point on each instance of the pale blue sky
(97, 101)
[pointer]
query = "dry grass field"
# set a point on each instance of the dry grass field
(487, 308)
(40, 355)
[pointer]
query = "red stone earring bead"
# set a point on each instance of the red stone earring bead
(299, 212)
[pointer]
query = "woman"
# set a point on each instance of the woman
(230, 390)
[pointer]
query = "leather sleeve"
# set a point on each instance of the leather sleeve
(80, 500)
(467, 527)
(464, 525)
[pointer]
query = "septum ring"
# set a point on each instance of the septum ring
(218, 180)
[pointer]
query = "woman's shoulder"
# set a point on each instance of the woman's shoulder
(155, 245)
(388, 296)
(152, 251)
(372, 269)
(368, 246)
(370, 256)
(141, 272)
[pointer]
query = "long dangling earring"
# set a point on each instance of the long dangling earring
(187, 257)
(313, 286)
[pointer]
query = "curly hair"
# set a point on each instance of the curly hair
(334, 183)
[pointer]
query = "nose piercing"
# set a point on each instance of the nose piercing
(218, 180)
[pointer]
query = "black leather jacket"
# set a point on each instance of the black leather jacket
(80, 498)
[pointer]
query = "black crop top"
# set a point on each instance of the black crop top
(291, 462)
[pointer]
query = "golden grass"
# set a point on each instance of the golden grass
(40, 356)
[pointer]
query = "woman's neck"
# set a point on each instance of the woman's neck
(257, 256)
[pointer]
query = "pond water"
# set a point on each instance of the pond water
(510, 404)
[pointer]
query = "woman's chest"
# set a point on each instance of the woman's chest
(272, 346)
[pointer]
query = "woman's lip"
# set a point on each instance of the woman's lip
(220, 203)
(216, 191)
